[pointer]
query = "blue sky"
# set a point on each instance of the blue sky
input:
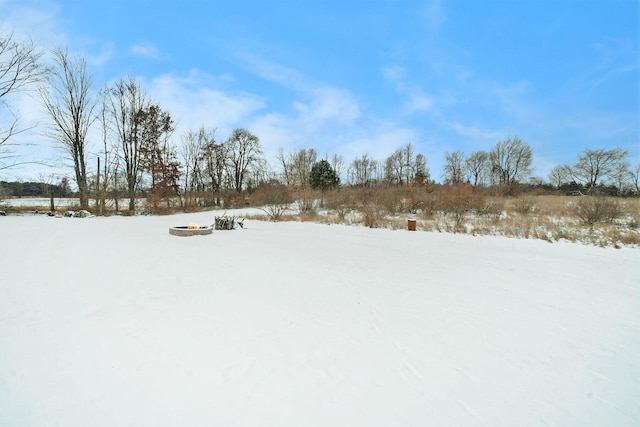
(356, 77)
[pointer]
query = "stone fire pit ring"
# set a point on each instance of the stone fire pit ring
(188, 230)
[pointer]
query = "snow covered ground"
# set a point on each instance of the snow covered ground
(114, 322)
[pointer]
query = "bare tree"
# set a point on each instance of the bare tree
(453, 167)
(634, 175)
(296, 167)
(337, 163)
(421, 174)
(191, 150)
(70, 107)
(127, 99)
(244, 153)
(620, 176)
(407, 155)
(117, 186)
(476, 167)
(19, 69)
(510, 161)
(402, 166)
(300, 164)
(259, 173)
(285, 167)
(214, 156)
(394, 168)
(560, 175)
(362, 171)
(595, 167)
(109, 160)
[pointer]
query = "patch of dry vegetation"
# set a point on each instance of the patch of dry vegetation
(598, 220)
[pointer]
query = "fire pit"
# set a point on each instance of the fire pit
(190, 230)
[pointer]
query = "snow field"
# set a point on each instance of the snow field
(112, 321)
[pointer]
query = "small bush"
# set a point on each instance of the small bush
(389, 199)
(524, 204)
(492, 209)
(372, 216)
(595, 209)
(458, 200)
(307, 200)
(275, 211)
(340, 201)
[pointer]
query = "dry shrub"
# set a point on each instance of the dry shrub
(631, 212)
(387, 199)
(417, 200)
(373, 216)
(159, 210)
(311, 216)
(272, 193)
(524, 204)
(619, 237)
(393, 199)
(400, 224)
(275, 211)
(595, 209)
(557, 206)
(429, 204)
(307, 200)
(466, 209)
(459, 199)
(561, 233)
(237, 200)
(492, 208)
(341, 201)
(274, 198)
(306, 205)
(363, 197)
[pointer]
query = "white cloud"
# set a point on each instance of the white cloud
(434, 15)
(414, 98)
(276, 73)
(326, 104)
(39, 24)
(476, 133)
(378, 141)
(311, 124)
(145, 50)
(197, 100)
(394, 73)
(103, 55)
(317, 113)
(315, 102)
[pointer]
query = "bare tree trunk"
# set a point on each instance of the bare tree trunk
(127, 100)
(70, 107)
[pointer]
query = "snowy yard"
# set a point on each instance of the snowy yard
(114, 322)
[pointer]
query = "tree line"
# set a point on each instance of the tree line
(40, 188)
(139, 155)
(510, 162)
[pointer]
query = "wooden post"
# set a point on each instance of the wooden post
(98, 191)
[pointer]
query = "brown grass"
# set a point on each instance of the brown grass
(600, 221)
(464, 209)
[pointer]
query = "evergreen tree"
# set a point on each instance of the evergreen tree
(323, 176)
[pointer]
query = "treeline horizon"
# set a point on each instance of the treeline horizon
(138, 152)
